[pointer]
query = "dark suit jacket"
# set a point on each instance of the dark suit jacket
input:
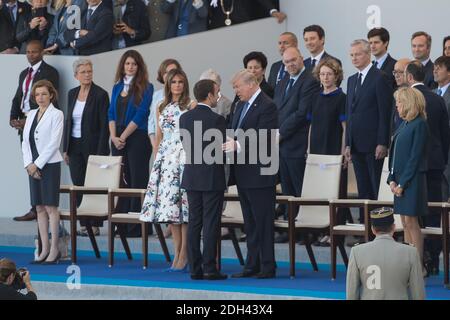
(136, 17)
(368, 115)
(203, 177)
(197, 17)
(324, 56)
(437, 119)
(387, 68)
(260, 12)
(99, 37)
(24, 33)
(46, 72)
(261, 115)
(273, 74)
(429, 77)
(241, 11)
(94, 122)
(292, 112)
(8, 28)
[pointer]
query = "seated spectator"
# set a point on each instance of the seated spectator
(34, 25)
(95, 35)
(10, 12)
(158, 20)
(132, 25)
(384, 269)
(186, 17)
(13, 280)
(56, 42)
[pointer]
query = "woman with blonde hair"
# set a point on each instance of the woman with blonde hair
(408, 164)
(166, 201)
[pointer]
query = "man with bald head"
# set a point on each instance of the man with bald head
(398, 73)
(368, 106)
(277, 70)
(293, 97)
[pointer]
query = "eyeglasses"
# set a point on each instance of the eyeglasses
(394, 72)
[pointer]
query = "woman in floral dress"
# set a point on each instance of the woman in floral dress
(165, 201)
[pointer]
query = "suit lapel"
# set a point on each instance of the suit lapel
(251, 109)
(294, 88)
(45, 116)
(237, 113)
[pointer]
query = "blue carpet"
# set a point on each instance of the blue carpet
(130, 273)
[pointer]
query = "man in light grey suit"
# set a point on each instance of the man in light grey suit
(441, 74)
(384, 269)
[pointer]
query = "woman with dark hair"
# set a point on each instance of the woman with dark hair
(166, 201)
(256, 63)
(41, 158)
(446, 46)
(128, 120)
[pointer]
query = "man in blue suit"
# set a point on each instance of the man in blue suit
(186, 17)
(255, 116)
(421, 49)
(368, 107)
(379, 43)
(314, 37)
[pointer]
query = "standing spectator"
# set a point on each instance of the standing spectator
(256, 188)
(23, 103)
(86, 128)
(408, 164)
(379, 42)
(34, 25)
(95, 35)
(223, 104)
(278, 70)
(8, 278)
(158, 20)
(421, 49)
(131, 23)
(446, 46)
(10, 12)
(400, 81)
(56, 42)
(186, 17)
(368, 106)
(438, 123)
(256, 63)
(158, 97)
(395, 267)
(166, 201)
(314, 37)
(42, 159)
(205, 195)
(128, 120)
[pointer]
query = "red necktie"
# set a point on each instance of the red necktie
(27, 85)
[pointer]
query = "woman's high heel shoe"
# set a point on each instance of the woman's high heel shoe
(40, 261)
(56, 261)
(182, 270)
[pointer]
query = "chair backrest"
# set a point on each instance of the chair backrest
(233, 208)
(321, 181)
(101, 172)
(384, 191)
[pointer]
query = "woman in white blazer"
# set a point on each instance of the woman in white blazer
(42, 159)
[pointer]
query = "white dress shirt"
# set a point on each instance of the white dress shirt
(381, 60)
(364, 72)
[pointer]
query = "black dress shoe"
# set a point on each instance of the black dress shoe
(265, 275)
(282, 238)
(244, 274)
(29, 216)
(197, 276)
(214, 276)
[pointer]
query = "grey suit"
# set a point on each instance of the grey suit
(397, 265)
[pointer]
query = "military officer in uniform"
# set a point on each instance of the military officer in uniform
(384, 269)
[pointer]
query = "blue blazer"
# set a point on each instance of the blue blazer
(368, 112)
(197, 17)
(136, 113)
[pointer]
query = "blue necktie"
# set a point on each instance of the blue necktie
(243, 113)
(281, 73)
(439, 92)
(375, 63)
(289, 87)
(313, 63)
(89, 14)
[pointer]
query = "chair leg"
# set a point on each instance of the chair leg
(162, 241)
(111, 243)
(333, 256)
(93, 241)
(123, 238)
(341, 244)
(237, 248)
(73, 240)
(144, 226)
(312, 258)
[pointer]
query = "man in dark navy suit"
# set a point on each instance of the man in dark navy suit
(293, 97)
(379, 42)
(10, 13)
(96, 31)
(421, 49)
(438, 145)
(277, 70)
(203, 179)
(254, 123)
(368, 107)
(314, 37)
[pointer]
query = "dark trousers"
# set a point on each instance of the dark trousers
(368, 175)
(258, 209)
(77, 165)
(433, 219)
(136, 167)
(292, 171)
(205, 210)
